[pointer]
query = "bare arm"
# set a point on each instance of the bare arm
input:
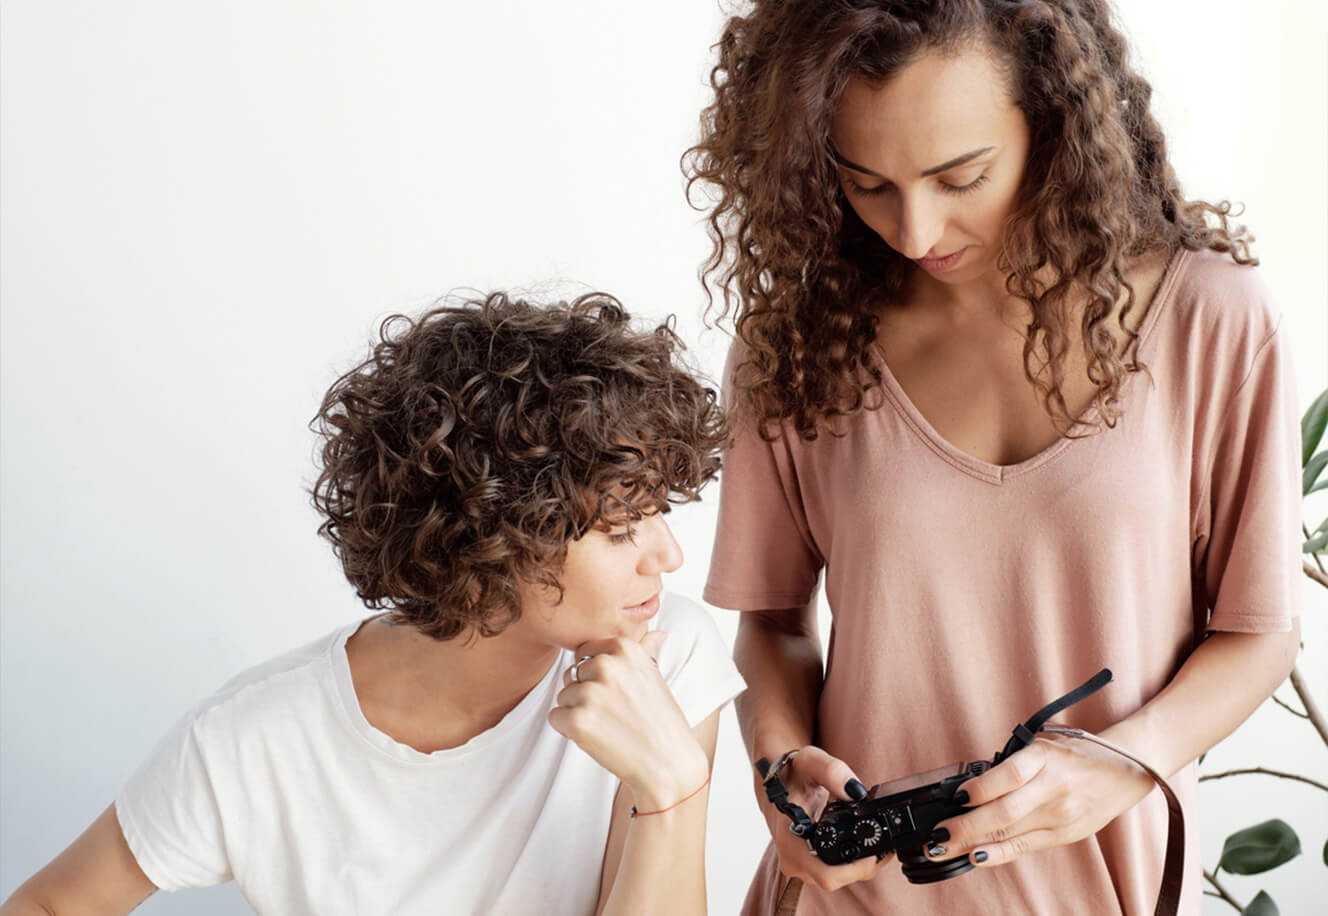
(1217, 688)
(656, 864)
(97, 874)
(779, 655)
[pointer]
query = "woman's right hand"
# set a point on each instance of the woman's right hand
(811, 778)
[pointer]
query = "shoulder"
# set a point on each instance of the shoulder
(691, 628)
(1222, 306)
(269, 696)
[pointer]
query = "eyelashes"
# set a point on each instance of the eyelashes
(630, 534)
(945, 188)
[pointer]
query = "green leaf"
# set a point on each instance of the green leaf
(1312, 426)
(1312, 472)
(1318, 540)
(1260, 848)
(1321, 485)
(1261, 905)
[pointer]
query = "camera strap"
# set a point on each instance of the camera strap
(1173, 866)
(777, 795)
(1024, 734)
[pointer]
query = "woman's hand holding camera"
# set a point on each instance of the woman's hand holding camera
(1054, 792)
(811, 778)
(617, 708)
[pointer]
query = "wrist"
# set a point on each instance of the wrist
(1134, 735)
(671, 780)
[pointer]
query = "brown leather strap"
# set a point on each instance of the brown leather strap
(786, 904)
(1173, 866)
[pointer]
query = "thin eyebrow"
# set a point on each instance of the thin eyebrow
(934, 170)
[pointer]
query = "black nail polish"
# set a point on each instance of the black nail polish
(935, 851)
(939, 835)
(961, 797)
(855, 790)
(980, 856)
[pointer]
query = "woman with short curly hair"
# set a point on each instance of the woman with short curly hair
(1023, 404)
(514, 733)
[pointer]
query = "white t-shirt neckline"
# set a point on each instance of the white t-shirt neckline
(531, 705)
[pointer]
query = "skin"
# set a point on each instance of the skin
(433, 695)
(955, 345)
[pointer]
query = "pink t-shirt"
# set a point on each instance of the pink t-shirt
(965, 595)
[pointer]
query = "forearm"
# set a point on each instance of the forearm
(663, 864)
(1217, 688)
(23, 904)
(779, 655)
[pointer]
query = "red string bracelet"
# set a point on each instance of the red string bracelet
(635, 813)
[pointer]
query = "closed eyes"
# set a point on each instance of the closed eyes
(946, 188)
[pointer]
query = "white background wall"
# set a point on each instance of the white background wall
(206, 207)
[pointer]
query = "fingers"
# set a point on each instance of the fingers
(995, 822)
(813, 765)
(994, 854)
(653, 641)
(796, 861)
(1011, 773)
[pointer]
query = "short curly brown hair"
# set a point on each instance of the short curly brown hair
(475, 442)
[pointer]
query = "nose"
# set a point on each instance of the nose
(662, 553)
(919, 228)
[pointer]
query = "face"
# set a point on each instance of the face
(611, 581)
(932, 161)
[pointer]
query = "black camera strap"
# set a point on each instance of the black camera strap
(1024, 734)
(777, 795)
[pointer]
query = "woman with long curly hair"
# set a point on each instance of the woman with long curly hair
(514, 733)
(1023, 405)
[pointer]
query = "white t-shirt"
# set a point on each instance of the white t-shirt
(279, 782)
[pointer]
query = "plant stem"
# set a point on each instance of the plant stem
(1312, 709)
(1222, 891)
(1315, 574)
(1277, 773)
(1288, 707)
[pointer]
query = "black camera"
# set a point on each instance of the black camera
(899, 816)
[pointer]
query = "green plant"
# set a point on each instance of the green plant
(1265, 846)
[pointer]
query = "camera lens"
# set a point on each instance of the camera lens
(918, 869)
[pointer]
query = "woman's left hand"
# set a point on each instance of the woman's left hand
(1054, 792)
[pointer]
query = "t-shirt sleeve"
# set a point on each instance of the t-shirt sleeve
(764, 556)
(695, 661)
(1249, 530)
(169, 814)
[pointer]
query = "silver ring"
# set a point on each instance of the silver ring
(576, 668)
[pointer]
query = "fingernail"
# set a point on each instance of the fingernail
(935, 851)
(855, 790)
(980, 855)
(939, 835)
(961, 797)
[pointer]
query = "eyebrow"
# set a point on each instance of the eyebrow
(926, 173)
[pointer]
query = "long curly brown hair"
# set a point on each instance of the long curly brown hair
(806, 273)
(475, 442)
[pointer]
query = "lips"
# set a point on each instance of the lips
(641, 604)
(942, 263)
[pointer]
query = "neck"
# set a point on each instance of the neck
(431, 694)
(984, 297)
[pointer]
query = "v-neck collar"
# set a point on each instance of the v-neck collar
(1000, 473)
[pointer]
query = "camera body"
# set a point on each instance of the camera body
(897, 816)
